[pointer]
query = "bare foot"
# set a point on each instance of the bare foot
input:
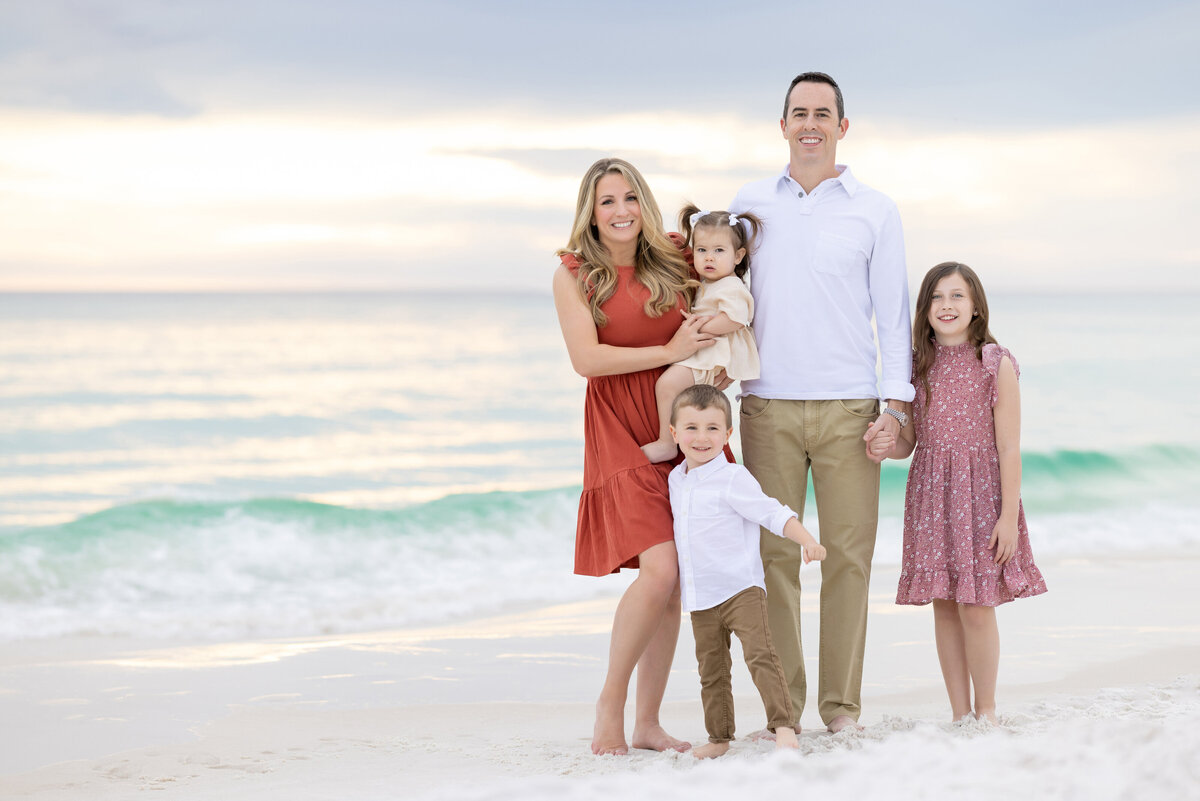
(711, 750)
(785, 737)
(843, 722)
(660, 450)
(987, 714)
(655, 738)
(767, 734)
(608, 735)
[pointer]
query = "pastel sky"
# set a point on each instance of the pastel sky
(387, 144)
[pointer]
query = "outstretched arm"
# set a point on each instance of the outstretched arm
(795, 531)
(590, 358)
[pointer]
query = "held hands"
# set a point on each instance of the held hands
(881, 438)
(1004, 540)
(689, 338)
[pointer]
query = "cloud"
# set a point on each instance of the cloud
(298, 202)
(393, 143)
(945, 62)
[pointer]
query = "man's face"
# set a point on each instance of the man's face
(811, 127)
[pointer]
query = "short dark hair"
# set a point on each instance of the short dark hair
(815, 77)
(702, 396)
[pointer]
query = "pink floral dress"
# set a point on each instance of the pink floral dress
(953, 497)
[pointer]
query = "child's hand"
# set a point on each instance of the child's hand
(880, 438)
(1004, 540)
(879, 447)
(814, 552)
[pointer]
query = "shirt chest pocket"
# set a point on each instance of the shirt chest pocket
(706, 504)
(839, 255)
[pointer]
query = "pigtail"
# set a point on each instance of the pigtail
(685, 221)
(749, 240)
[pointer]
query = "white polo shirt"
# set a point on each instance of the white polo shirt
(718, 508)
(826, 263)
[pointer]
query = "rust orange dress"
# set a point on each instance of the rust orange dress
(625, 507)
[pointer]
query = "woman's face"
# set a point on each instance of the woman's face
(617, 215)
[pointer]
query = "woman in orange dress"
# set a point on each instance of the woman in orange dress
(621, 294)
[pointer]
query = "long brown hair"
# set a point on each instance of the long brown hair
(978, 333)
(659, 265)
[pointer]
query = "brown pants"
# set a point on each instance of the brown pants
(745, 615)
(781, 440)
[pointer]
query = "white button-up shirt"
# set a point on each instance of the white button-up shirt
(827, 262)
(718, 508)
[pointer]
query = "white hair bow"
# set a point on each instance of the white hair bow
(733, 218)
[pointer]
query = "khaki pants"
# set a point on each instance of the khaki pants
(781, 440)
(745, 614)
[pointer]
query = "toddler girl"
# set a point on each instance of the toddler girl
(720, 245)
(966, 547)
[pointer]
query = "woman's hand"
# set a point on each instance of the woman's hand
(689, 338)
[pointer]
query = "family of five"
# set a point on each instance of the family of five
(798, 290)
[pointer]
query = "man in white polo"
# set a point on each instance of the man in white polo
(830, 260)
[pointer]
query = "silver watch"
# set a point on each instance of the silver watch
(899, 415)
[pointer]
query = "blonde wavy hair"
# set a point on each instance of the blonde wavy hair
(659, 264)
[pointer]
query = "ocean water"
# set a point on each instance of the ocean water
(217, 466)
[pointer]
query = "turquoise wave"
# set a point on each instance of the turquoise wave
(1083, 480)
(277, 566)
(500, 512)
(1065, 480)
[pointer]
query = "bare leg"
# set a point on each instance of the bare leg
(711, 750)
(675, 379)
(982, 639)
(652, 671)
(638, 619)
(952, 654)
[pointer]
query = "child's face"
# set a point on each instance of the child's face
(700, 434)
(950, 310)
(713, 252)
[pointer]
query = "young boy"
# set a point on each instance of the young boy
(718, 508)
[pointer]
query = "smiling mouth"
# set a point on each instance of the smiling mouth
(625, 224)
(809, 140)
(948, 318)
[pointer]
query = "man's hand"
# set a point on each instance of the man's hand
(881, 438)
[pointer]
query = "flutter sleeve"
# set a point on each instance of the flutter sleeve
(733, 297)
(570, 261)
(992, 354)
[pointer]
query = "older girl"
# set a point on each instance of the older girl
(966, 546)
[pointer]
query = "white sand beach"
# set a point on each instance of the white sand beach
(1099, 698)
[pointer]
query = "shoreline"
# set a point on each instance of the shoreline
(444, 709)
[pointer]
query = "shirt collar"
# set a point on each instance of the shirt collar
(844, 177)
(705, 470)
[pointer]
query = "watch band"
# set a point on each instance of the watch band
(899, 415)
